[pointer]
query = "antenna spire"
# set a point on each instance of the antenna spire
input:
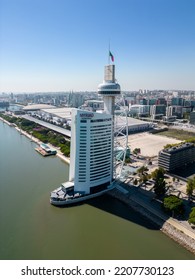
(109, 52)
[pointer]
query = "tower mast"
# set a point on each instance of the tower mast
(109, 89)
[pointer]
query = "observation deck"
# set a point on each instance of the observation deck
(109, 89)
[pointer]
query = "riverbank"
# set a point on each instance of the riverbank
(59, 154)
(171, 227)
(38, 142)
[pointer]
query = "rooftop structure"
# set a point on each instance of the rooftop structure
(63, 113)
(36, 107)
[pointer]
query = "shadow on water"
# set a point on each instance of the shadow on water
(125, 211)
(118, 208)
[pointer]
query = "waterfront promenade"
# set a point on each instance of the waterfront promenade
(143, 202)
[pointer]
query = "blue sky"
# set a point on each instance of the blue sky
(62, 45)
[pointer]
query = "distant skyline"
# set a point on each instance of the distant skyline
(63, 45)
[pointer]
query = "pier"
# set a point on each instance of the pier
(42, 152)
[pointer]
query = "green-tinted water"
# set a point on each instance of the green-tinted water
(31, 228)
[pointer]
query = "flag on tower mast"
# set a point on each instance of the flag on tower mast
(111, 55)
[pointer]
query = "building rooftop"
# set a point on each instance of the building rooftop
(37, 107)
(176, 149)
(59, 112)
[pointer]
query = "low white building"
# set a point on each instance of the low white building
(139, 109)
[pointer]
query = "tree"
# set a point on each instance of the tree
(160, 184)
(128, 160)
(142, 170)
(135, 181)
(191, 219)
(190, 187)
(136, 151)
(144, 178)
(160, 187)
(158, 173)
(174, 204)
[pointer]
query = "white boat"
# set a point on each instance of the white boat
(65, 195)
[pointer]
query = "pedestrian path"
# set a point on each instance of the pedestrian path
(145, 202)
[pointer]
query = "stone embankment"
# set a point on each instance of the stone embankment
(168, 226)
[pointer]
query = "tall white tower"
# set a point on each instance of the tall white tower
(109, 89)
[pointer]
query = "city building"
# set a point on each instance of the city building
(175, 111)
(143, 101)
(157, 111)
(93, 105)
(4, 104)
(161, 101)
(75, 99)
(139, 110)
(135, 125)
(189, 103)
(176, 101)
(192, 117)
(91, 161)
(176, 157)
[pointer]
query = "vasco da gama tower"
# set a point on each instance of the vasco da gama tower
(91, 155)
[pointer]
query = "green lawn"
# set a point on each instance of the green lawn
(178, 134)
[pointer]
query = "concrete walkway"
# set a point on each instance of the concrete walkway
(145, 201)
(175, 223)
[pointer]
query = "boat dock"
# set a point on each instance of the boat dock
(41, 151)
(45, 152)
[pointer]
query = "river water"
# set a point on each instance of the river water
(31, 228)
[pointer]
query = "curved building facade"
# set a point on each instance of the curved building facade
(91, 151)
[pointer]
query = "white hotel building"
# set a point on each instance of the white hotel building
(91, 161)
